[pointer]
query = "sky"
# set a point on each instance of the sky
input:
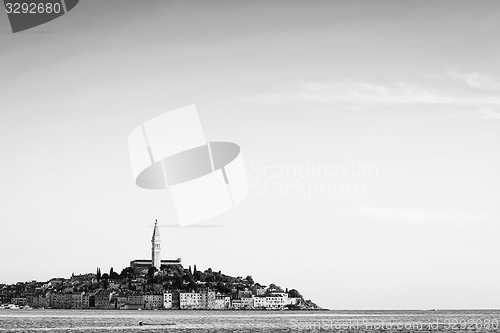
(370, 132)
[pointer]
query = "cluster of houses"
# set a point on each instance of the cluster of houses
(60, 294)
(126, 300)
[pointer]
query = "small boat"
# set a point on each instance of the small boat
(153, 324)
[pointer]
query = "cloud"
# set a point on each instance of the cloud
(366, 93)
(489, 113)
(482, 113)
(476, 80)
(421, 216)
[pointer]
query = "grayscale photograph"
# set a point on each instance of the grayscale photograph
(250, 166)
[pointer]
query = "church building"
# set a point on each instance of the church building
(155, 261)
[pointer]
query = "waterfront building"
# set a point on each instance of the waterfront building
(20, 301)
(30, 299)
(102, 299)
(222, 302)
(54, 300)
(48, 299)
(153, 301)
(113, 300)
(65, 300)
(205, 299)
(190, 300)
(76, 300)
(121, 300)
(237, 304)
(85, 301)
(247, 302)
(176, 295)
(135, 301)
(208, 299)
(167, 300)
(44, 301)
(260, 302)
(40, 301)
(275, 301)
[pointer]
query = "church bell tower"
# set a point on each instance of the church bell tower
(156, 247)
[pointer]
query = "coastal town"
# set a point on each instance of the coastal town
(152, 285)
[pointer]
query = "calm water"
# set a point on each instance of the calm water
(248, 321)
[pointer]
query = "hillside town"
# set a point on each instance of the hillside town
(87, 292)
(149, 285)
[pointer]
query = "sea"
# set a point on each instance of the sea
(51, 320)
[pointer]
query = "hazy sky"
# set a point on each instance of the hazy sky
(370, 130)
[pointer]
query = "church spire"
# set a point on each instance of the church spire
(156, 231)
(156, 247)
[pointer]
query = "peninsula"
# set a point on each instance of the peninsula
(153, 284)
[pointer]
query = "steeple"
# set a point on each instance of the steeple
(156, 247)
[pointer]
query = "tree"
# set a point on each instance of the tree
(276, 288)
(294, 293)
(222, 288)
(249, 279)
(113, 275)
(193, 285)
(199, 275)
(151, 273)
(179, 282)
(209, 278)
(105, 278)
(194, 270)
(98, 275)
(127, 272)
(190, 271)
